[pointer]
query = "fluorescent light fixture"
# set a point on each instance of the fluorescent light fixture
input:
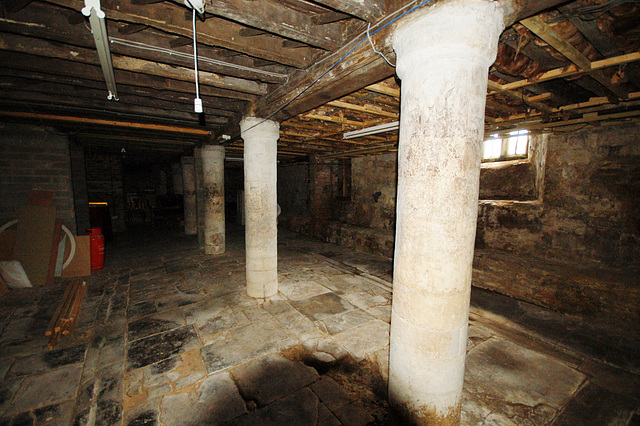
(99, 30)
(381, 128)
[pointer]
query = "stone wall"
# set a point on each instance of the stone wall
(589, 207)
(32, 158)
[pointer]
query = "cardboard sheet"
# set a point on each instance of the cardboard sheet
(80, 266)
(34, 240)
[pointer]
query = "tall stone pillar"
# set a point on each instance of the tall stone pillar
(260, 200)
(213, 195)
(197, 155)
(189, 196)
(443, 56)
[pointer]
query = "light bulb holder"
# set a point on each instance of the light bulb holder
(197, 105)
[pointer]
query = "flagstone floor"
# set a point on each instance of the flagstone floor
(168, 336)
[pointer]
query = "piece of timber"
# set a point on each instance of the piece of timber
(540, 28)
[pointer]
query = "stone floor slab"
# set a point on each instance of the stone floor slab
(365, 339)
(246, 343)
(45, 389)
(272, 377)
(322, 306)
(504, 371)
(298, 409)
(215, 401)
(161, 346)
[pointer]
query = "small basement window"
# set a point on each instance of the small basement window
(498, 148)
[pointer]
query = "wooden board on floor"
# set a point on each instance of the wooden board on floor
(80, 266)
(53, 254)
(34, 239)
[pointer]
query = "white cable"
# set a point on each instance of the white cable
(374, 48)
(197, 102)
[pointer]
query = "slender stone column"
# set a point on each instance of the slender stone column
(443, 56)
(189, 196)
(197, 155)
(261, 231)
(213, 190)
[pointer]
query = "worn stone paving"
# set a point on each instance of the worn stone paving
(168, 336)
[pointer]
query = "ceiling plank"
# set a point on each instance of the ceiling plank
(274, 18)
(22, 44)
(25, 62)
(151, 45)
(163, 16)
(540, 28)
(329, 17)
(384, 90)
(94, 106)
(371, 10)
(128, 124)
(572, 70)
(364, 109)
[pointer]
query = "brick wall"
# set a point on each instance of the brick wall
(32, 158)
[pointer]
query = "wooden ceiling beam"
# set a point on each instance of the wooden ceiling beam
(384, 90)
(23, 44)
(60, 102)
(492, 85)
(540, 28)
(364, 109)
(23, 62)
(370, 10)
(269, 16)
(103, 122)
(329, 18)
(569, 71)
(163, 17)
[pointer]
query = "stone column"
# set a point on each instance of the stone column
(443, 56)
(197, 155)
(189, 194)
(260, 200)
(213, 189)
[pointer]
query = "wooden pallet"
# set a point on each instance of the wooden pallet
(65, 318)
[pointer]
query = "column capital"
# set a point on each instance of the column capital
(213, 149)
(255, 126)
(454, 30)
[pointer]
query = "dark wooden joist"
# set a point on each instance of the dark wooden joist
(275, 18)
(371, 10)
(216, 97)
(329, 17)
(22, 44)
(86, 96)
(50, 21)
(100, 106)
(212, 31)
(359, 69)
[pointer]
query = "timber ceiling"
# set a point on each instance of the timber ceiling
(573, 65)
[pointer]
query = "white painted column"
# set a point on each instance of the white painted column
(197, 155)
(443, 56)
(213, 195)
(189, 196)
(260, 200)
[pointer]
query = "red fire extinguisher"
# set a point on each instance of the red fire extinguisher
(97, 248)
